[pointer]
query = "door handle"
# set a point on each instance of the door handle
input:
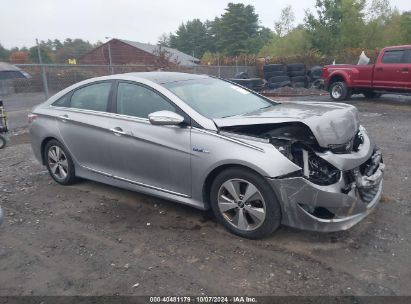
(118, 131)
(64, 117)
(405, 70)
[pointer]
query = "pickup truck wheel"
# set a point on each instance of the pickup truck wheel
(339, 91)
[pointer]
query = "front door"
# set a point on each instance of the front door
(153, 156)
(389, 72)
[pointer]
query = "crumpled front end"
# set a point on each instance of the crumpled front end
(313, 204)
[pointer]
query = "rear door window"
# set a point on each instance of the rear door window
(408, 56)
(92, 97)
(139, 101)
(393, 56)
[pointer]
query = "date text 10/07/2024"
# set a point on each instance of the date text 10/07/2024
(203, 299)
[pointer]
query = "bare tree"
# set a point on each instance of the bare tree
(286, 23)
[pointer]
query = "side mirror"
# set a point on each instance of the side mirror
(165, 118)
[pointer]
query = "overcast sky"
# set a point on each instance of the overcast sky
(139, 20)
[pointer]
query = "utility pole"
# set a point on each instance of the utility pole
(43, 71)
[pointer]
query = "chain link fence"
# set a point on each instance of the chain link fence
(51, 78)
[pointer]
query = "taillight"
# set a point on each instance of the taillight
(31, 117)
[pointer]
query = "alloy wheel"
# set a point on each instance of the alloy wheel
(337, 91)
(241, 204)
(57, 161)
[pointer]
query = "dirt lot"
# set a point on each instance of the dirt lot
(93, 239)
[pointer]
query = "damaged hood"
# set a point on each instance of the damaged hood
(331, 123)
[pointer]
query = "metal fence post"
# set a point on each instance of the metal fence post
(43, 71)
(219, 68)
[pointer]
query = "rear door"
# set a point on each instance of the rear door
(157, 157)
(83, 124)
(388, 73)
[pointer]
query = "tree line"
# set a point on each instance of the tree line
(331, 28)
(52, 51)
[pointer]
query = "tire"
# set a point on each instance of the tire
(278, 79)
(243, 82)
(241, 75)
(299, 79)
(339, 91)
(296, 67)
(315, 73)
(257, 82)
(266, 214)
(299, 85)
(372, 95)
(268, 75)
(318, 84)
(2, 142)
(274, 68)
(296, 73)
(63, 172)
(276, 85)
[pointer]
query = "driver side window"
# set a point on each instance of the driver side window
(138, 101)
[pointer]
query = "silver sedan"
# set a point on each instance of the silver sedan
(210, 143)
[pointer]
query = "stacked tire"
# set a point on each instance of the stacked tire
(315, 77)
(276, 76)
(298, 75)
(255, 84)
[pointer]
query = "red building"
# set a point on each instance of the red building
(129, 52)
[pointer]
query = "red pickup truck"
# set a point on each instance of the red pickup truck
(390, 73)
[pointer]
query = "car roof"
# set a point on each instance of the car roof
(165, 77)
(397, 47)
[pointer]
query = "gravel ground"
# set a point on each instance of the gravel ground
(93, 239)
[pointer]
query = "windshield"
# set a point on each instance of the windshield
(214, 98)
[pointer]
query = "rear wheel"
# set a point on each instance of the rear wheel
(244, 203)
(59, 163)
(339, 91)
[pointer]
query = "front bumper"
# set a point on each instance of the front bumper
(329, 208)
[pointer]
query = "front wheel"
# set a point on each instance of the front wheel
(339, 91)
(245, 204)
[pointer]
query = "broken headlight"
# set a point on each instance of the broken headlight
(314, 168)
(352, 146)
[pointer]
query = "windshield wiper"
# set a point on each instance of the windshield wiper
(265, 107)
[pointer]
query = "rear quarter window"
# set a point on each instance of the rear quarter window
(62, 101)
(92, 97)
